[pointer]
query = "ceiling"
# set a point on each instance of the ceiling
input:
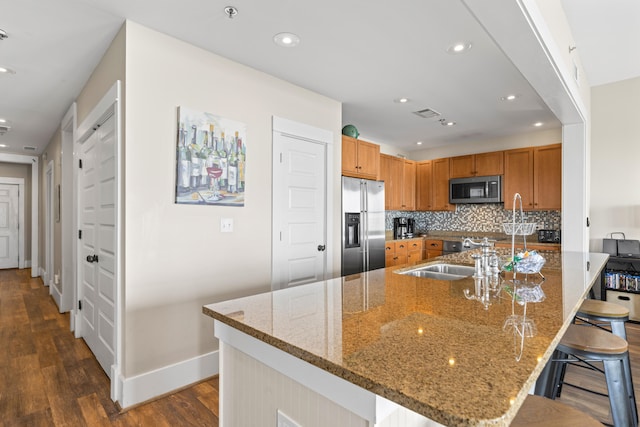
(364, 54)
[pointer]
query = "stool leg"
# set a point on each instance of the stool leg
(546, 383)
(561, 370)
(618, 395)
(629, 386)
(617, 328)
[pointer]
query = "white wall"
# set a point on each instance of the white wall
(176, 259)
(615, 161)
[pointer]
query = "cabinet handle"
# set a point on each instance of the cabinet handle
(401, 246)
(387, 248)
(624, 298)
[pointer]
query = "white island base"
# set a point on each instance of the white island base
(263, 386)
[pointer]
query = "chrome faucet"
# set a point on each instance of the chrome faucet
(483, 265)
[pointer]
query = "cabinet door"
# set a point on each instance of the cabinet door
(396, 172)
(462, 166)
(518, 177)
(424, 184)
(368, 159)
(402, 252)
(349, 156)
(385, 175)
(433, 254)
(389, 254)
(489, 163)
(441, 185)
(409, 186)
(547, 177)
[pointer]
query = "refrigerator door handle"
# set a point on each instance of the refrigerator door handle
(365, 221)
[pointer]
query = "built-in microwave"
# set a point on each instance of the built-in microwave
(477, 189)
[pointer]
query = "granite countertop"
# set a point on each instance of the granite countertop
(420, 342)
(477, 236)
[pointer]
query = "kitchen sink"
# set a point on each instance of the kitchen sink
(441, 271)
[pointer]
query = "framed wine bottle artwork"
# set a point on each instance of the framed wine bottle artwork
(211, 159)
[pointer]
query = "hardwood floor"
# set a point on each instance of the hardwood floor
(49, 378)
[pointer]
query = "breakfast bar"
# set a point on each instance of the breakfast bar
(383, 348)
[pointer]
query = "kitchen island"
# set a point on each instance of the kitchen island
(386, 349)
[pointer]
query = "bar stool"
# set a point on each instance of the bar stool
(599, 313)
(538, 411)
(582, 345)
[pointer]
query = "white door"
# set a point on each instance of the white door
(299, 254)
(8, 226)
(97, 244)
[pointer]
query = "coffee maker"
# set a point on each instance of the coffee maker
(403, 228)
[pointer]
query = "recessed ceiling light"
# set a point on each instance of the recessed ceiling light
(401, 100)
(3, 145)
(419, 143)
(510, 97)
(286, 39)
(460, 47)
(538, 124)
(3, 121)
(445, 122)
(5, 70)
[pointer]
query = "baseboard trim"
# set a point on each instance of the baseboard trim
(140, 388)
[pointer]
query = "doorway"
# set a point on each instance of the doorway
(98, 293)
(9, 239)
(301, 245)
(16, 184)
(48, 230)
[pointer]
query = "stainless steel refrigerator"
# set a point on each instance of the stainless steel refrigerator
(363, 234)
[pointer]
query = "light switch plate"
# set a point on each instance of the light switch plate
(226, 225)
(285, 421)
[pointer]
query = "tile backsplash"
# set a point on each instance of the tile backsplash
(474, 217)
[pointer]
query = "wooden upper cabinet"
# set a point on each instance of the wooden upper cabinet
(462, 166)
(360, 159)
(409, 187)
(535, 173)
(547, 177)
(399, 176)
(440, 179)
(432, 185)
(391, 173)
(483, 164)
(488, 164)
(424, 186)
(518, 177)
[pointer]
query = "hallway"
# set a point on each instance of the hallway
(50, 378)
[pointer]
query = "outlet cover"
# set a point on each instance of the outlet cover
(285, 421)
(226, 225)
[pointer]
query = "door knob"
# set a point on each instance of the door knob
(92, 258)
(321, 248)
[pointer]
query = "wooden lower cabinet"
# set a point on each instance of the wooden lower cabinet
(414, 251)
(433, 248)
(400, 252)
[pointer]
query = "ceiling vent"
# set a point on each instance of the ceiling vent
(27, 148)
(427, 113)
(4, 129)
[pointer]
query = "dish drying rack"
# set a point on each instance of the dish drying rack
(522, 228)
(524, 291)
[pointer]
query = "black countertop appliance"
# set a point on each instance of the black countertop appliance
(403, 227)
